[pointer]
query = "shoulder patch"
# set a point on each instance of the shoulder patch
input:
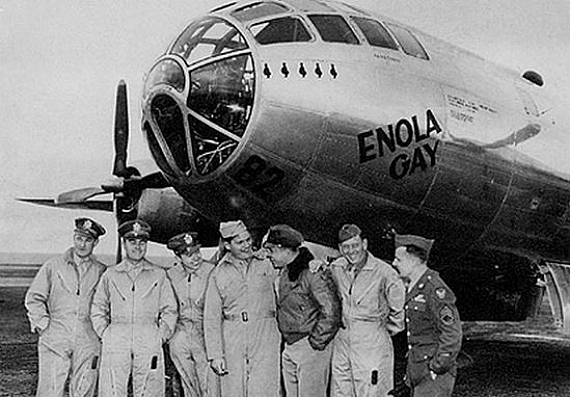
(441, 293)
(446, 315)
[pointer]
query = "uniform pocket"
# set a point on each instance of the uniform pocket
(64, 284)
(150, 290)
(418, 365)
(423, 353)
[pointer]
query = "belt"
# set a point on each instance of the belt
(245, 316)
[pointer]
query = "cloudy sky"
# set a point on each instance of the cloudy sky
(60, 61)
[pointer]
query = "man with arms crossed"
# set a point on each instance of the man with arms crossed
(308, 313)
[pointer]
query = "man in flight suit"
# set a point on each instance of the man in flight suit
(58, 304)
(134, 312)
(187, 348)
(434, 328)
(372, 311)
(242, 339)
(308, 313)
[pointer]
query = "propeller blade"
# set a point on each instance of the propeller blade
(98, 205)
(78, 195)
(119, 256)
(121, 130)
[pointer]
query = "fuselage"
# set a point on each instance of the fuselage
(317, 114)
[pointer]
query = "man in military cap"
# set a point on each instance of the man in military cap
(134, 312)
(187, 349)
(308, 313)
(434, 328)
(58, 304)
(372, 311)
(242, 339)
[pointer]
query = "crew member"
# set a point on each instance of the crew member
(434, 328)
(308, 313)
(58, 304)
(372, 310)
(134, 312)
(242, 338)
(187, 348)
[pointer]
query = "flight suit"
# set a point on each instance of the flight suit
(58, 304)
(240, 326)
(372, 310)
(133, 314)
(187, 346)
(434, 336)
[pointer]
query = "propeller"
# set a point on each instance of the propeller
(127, 184)
(121, 131)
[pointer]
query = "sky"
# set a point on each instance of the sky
(60, 62)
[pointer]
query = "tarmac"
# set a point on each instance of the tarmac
(497, 359)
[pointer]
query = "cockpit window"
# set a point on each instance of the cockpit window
(221, 101)
(408, 41)
(280, 30)
(258, 10)
(206, 38)
(222, 92)
(333, 29)
(375, 33)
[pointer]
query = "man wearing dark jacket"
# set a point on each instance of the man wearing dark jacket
(308, 313)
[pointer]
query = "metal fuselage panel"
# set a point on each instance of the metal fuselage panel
(350, 133)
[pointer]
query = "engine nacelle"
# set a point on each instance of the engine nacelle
(169, 214)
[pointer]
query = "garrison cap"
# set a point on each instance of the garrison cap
(285, 236)
(347, 232)
(232, 229)
(136, 228)
(89, 227)
(403, 240)
(184, 243)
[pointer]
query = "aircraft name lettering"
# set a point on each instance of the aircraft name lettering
(381, 141)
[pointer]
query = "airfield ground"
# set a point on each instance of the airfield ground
(492, 363)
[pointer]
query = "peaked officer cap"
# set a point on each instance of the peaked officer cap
(347, 232)
(184, 243)
(403, 240)
(232, 229)
(89, 227)
(136, 228)
(285, 236)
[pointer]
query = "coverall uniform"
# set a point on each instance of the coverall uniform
(240, 326)
(434, 336)
(58, 304)
(309, 316)
(134, 311)
(372, 310)
(187, 346)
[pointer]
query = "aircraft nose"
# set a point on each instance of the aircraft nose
(197, 105)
